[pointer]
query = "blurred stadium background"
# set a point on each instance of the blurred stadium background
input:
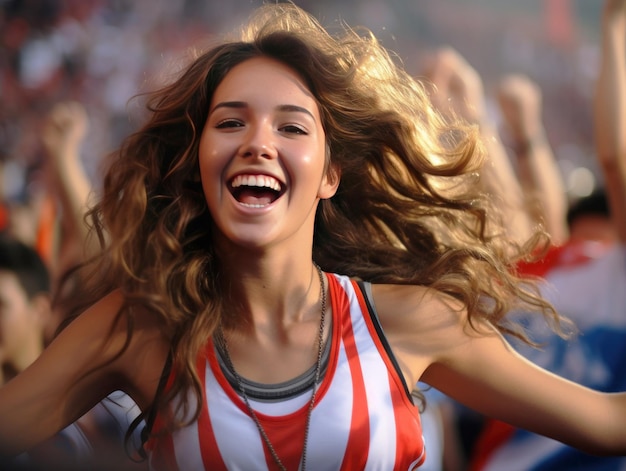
(102, 52)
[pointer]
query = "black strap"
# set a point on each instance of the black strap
(366, 290)
(152, 412)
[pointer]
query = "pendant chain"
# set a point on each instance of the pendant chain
(318, 369)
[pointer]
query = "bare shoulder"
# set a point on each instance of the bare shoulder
(422, 325)
(416, 308)
(131, 354)
(92, 357)
(102, 351)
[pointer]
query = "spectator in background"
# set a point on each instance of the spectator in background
(585, 280)
(24, 304)
(24, 314)
(458, 92)
(520, 104)
(65, 190)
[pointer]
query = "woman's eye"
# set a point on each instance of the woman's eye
(229, 123)
(291, 128)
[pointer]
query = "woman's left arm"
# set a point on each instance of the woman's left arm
(433, 343)
(487, 375)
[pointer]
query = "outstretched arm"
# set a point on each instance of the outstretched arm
(433, 342)
(610, 110)
(85, 363)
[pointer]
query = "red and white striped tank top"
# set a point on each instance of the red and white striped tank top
(363, 419)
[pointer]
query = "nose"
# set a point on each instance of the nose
(259, 142)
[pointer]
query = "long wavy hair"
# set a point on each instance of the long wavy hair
(408, 209)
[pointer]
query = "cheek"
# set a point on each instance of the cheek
(308, 160)
(211, 164)
(211, 171)
(310, 157)
(206, 162)
(213, 155)
(313, 164)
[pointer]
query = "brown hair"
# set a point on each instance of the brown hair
(408, 209)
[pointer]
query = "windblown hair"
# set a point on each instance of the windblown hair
(408, 209)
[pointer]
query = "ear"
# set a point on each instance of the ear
(330, 182)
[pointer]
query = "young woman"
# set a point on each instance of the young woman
(290, 242)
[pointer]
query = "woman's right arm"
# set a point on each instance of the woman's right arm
(85, 363)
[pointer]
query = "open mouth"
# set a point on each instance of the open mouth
(255, 191)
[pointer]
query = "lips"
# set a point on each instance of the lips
(254, 190)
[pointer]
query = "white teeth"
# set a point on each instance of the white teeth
(259, 181)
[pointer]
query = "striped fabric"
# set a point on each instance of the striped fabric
(363, 418)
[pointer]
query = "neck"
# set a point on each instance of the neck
(318, 368)
(277, 294)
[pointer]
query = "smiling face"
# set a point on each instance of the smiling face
(262, 156)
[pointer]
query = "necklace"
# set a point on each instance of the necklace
(318, 367)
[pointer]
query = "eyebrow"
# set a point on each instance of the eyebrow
(243, 104)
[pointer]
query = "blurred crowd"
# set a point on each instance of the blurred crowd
(96, 52)
(103, 52)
